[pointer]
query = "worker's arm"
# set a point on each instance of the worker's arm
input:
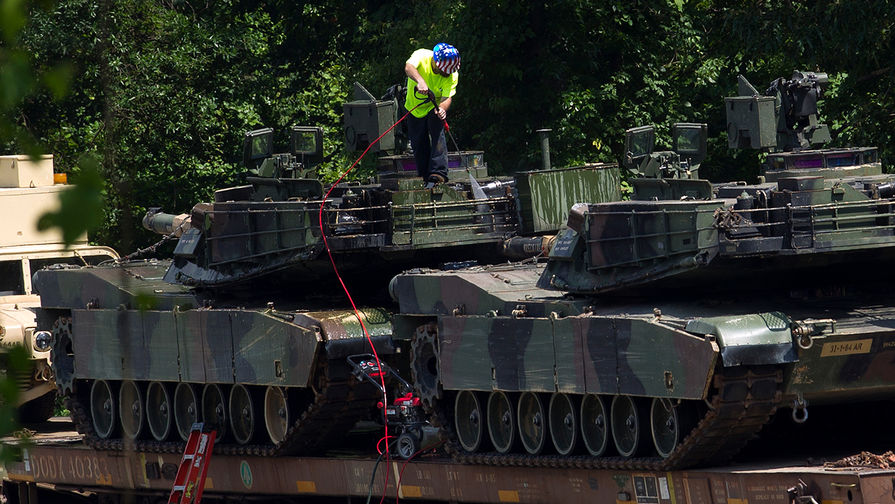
(411, 71)
(442, 109)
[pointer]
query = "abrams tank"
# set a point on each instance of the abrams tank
(245, 328)
(663, 332)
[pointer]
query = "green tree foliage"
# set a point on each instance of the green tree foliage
(163, 91)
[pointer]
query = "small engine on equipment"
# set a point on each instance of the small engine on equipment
(405, 413)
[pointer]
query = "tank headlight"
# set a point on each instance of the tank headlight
(43, 340)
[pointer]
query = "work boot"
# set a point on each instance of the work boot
(434, 179)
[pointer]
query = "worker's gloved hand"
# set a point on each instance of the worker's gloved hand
(440, 113)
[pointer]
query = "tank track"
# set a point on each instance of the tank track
(744, 400)
(340, 400)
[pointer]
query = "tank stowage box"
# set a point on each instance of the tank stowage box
(24, 171)
(543, 194)
(750, 122)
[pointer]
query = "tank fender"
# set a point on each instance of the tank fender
(750, 340)
(340, 349)
(342, 333)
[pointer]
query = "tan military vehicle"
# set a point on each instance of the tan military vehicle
(28, 189)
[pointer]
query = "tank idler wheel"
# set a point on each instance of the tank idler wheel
(158, 410)
(242, 414)
(214, 409)
(501, 421)
(629, 421)
(407, 445)
(186, 409)
(131, 411)
(276, 414)
(595, 424)
(532, 421)
(468, 420)
(103, 409)
(563, 423)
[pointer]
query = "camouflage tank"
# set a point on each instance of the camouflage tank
(246, 327)
(663, 332)
(28, 190)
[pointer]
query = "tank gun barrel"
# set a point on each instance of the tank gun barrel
(164, 223)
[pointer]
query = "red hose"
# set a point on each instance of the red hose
(348, 294)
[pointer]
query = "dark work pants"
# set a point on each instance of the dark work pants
(429, 147)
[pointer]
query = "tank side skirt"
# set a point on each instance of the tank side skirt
(339, 399)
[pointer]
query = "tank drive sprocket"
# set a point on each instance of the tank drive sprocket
(425, 365)
(61, 355)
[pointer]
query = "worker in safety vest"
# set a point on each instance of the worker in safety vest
(435, 71)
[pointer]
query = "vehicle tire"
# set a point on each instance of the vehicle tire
(407, 445)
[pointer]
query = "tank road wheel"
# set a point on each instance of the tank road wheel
(158, 410)
(103, 409)
(276, 414)
(424, 368)
(670, 424)
(532, 421)
(131, 412)
(594, 424)
(501, 421)
(563, 423)
(214, 408)
(468, 420)
(242, 414)
(628, 425)
(186, 409)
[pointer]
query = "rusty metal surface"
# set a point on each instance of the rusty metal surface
(438, 480)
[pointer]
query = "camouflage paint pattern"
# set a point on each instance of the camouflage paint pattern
(200, 346)
(498, 331)
(545, 196)
(580, 354)
(617, 245)
(254, 230)
(853, 358)
(169, 340)
(110, 287)
(239, 231)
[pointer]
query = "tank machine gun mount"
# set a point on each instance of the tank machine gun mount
(784, 122)
(682, 162)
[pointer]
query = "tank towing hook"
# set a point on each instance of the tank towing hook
(799, 409)
(405, 413)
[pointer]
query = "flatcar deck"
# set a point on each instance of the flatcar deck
(57, 463)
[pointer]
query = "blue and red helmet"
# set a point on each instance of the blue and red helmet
(447, 58)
